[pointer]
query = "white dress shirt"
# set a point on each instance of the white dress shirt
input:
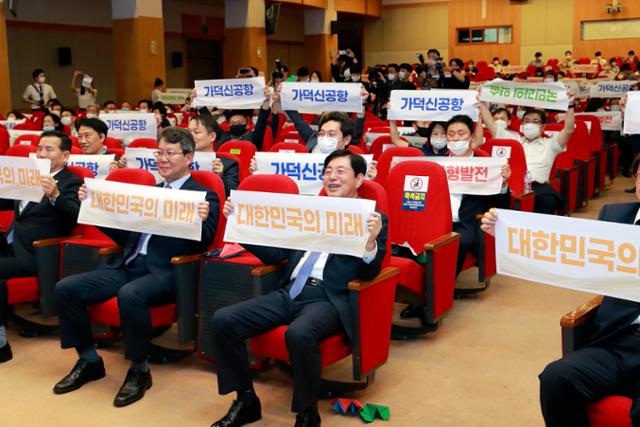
(32, 92)
(318, 267)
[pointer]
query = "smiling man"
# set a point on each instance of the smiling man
(91, 135)
(313, 300)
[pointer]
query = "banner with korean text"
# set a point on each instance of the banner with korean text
(609, 120)
(580, 254)
(632, 114)
(467, 175)
(321, 97)
(129, 126)
(336, 225)
(10, 124)
(230, 94)
(304, 168)
(143, 158)
(173, 98)
(98, 164)
(432, 105)
(552, 96)
(610, 88)
(141, 208)
(20, 177)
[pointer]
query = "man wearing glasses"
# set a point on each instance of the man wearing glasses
(141, 277)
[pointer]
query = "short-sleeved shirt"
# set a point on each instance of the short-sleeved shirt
(36, 91)
(540, 155)
(86, 99)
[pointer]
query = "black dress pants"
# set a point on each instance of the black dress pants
(137, 290)
(9, 267)
(590, 374)
(311, 319)
(547, 199)
(469, 241)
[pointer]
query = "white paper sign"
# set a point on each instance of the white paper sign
(467, 175)
(432, 105)
(247, 93)
(20, 177)
(86, 81)
(172, 98)
(143, 158)
(609, 120)
(632, 114)
(131, 125)
(610, 88)
(584, 68)
(501, 151)
(98, 164)
(304, 168)
(10, 124)
(581, 254)
(334, 225)
(552, 96)
(141, 208)
(321, 97)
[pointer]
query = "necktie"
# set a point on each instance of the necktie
(21, 205)
(303, 275)
(142, 239)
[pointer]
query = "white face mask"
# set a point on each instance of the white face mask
(46, 128)
(66, 120)
(402, 75)
(458, 148)
(315, 79)
(92, 116)
(355, 77)
(501, 123)
(55, 113)
(549, 80)
(531, 130)
(391, 76)
(144, 110)
(347, 73)
(438, 142)
(520, 114)
(327, 145)
(615, 107)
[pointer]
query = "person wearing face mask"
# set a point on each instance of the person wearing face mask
(599, 60)
(454, 76)
(303, 74)
(52, 122)
(341, 66)
(537, 61)
(540, 152)
(38, 93)
(125, 106)
(238, 120)
(67, 116)
(14, 115)
(550, 76)
(85, 94)
(144, 105)
(567, 62)
(392, 80)
(404, 75)
(93, 111)
(316, 76)
(502, 119)
(436, 143)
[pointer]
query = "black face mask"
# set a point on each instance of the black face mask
(423, 132)
(237, 130)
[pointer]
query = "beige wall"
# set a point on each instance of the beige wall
(287, 43)
(547, 27)
(176, 76)
(402, 32)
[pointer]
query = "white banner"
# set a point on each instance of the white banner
(581, 87)
(141, 208)
(632, 114)
(467, 175)
(131, 125)
(610, 88)
(230, 93)
(609, 120)
(143, 158)
(304, 168)
(584, 68)
(173, 98)
(98, 164)
(20, 178)
(10, 124)
(581, 254)
(432, 105)
(321, 97)
(335, 225)
(552, 96)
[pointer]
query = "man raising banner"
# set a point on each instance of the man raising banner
(141, 277)
(313, 301)
(54, 216)
(608, 363)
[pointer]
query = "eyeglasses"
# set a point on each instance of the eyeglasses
(166, 155)
(341, 172)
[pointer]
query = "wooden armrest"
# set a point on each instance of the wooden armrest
(53, 241)
(111, 250)
(581, 314)
(441, 241)
(185, 259)
(522, 196)
(386, 273)
(266, 269)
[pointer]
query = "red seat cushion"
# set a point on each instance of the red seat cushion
(612, 411)
(22, 289)
(411, 274)
(107, 313)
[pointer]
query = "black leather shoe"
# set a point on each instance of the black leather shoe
(412, 311)
(135, 384)
(630, 190)
(239, 414)
(5, 353)
(82, 373)
(308, 419)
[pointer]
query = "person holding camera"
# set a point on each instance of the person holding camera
(38, 93)
(454, 76)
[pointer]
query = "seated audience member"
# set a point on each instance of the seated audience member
(144, 106)
(502, 120)
(85, 95)
(454, 76)
(607, 364)
(303, 74)
(38, 93)
(540, 152)
(599, 59)
(54, 216)
(125, 106)
(141, 277)
(109, 106)
(14, 115)
(496, 65)
(567, 62)
(313, 300)
(205, 130)
(238, 124)
(91, 136)
(160, 113)
(51, 121)
(67, 117)
(435, 132)
(55, 107)
(404, 75)
(316, 76)
(537, 60)
(93, 111)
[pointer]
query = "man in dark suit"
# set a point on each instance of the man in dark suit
(609, 363)
(92, 134)
(54, 216)
(205, 130)
(141, 277)
(313, 301)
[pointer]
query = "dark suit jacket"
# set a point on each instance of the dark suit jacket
(161, 249)
(615, 314)
(338, 271)
(472, 205)
(230, 175)
(256, 136)
(43, 220)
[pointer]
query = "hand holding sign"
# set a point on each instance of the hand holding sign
(49, 186)
(488, 222)
(203, 210)
(374, 225)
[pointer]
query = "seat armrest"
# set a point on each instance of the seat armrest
(185, 259)
(581, 314)
(53, 241)
(385, 273)
(443, 240)
(263, 270)
(112, 250)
